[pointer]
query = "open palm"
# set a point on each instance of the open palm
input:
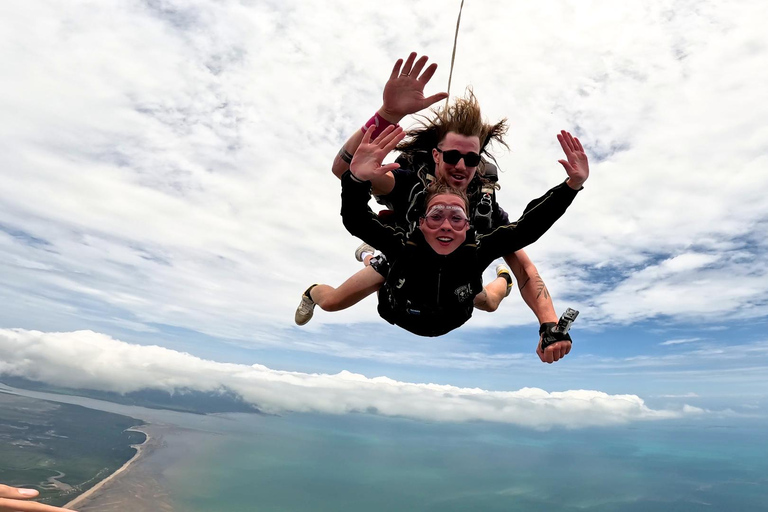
(366, 163)
(404, 91)
(577, 163)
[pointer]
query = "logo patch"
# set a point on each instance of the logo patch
(463, 292)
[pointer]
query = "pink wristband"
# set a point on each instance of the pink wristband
(380, 123)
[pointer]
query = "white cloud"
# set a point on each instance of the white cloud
(168, 162)
(688, 287)
(679, 341)
(91, 360)
(683, 395)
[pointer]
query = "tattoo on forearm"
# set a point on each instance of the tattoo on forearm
(345, 155)
(541, 288)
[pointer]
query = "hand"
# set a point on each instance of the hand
(577, 165)
(554, 352)
(404, 91)
(10, 496)
(366, 163)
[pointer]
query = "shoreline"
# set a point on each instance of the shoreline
(141, 450)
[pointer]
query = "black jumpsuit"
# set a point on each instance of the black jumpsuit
(430, 294)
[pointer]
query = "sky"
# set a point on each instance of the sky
(166, 197)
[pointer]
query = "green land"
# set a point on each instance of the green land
(61, 450)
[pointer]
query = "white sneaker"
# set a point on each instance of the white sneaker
(305, 310)
(363, 249)
(502, 270)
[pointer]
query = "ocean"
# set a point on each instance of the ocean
(354, 462)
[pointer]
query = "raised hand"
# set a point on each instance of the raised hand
(404, 91)
(577, 165)
(366, 163)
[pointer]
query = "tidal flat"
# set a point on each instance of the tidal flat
(61, 450)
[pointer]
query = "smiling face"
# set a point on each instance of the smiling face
(444, 238)
(457, 175)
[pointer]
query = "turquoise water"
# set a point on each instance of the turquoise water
(302, 462)
(353, 463)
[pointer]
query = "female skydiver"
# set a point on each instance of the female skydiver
(435, 272)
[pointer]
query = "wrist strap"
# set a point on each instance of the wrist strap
(546, 326)
(548, 336)
(353, 177)
(380, 124)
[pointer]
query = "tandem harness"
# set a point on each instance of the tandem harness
(421, 162)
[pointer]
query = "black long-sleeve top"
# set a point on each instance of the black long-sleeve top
(430, 294)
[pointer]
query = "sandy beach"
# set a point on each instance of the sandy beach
(132, 483)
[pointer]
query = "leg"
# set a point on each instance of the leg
(351, 291)
(364, 253)
(492, 295)
(495, 291)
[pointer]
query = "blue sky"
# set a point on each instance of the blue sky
(166, 182)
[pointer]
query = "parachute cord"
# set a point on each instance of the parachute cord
(453, 55)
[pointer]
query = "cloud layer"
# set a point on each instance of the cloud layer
(91, 360)
(168, 162)
(165, 170)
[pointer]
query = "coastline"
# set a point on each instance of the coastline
(139, 485)
(141, 450)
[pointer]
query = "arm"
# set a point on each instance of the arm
(532, 288)
(541, 213)
(362, 222)
(403, 95)
(535, 294)
(344, 156)
(358, 217)
(538, 217)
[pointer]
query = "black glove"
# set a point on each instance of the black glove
(549, 336)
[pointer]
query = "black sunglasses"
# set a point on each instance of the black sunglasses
(452, 157)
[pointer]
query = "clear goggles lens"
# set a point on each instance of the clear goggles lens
(438, 214)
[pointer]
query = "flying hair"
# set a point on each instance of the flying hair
(463, 117)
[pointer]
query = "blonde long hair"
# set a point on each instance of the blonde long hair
(462, 117)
